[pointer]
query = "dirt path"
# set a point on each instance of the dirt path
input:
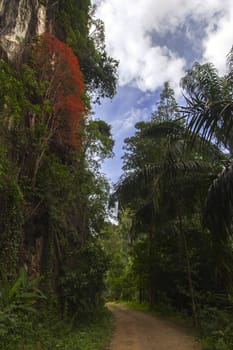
(136, 330)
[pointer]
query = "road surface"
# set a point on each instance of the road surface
(136, 330)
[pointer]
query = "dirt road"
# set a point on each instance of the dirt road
(136, 330)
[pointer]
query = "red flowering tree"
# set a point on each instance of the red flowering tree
(58, 66)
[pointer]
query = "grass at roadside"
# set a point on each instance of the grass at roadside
(47, 335)
(92, 336)
(135, 305)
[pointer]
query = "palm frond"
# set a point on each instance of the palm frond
(202, 81)
(130, 187)
(230, 60)
(191, 166)
(229, 78)
(219, 205)
(209, 105)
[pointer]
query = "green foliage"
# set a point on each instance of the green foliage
(14, 101)
(90, 336)
(99, 69)
(56, 190)
(120, 279)
(47, 332)
(11, 220)
(165, 182)
(135, 305)
(217, 328)
(25, 326)
(167, 106)
(168, 182)
(53, 196)
(98, 144)
(17, 305)
(209, 113)
(47, 192)
(82, 282)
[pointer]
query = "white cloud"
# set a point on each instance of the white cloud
(129, 28)
(129, 119)
(219, 41)
(129, 25)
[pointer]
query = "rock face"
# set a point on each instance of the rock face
(19, 21)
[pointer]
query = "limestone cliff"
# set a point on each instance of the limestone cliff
(20, 20)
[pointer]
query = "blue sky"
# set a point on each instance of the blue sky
(157, 41)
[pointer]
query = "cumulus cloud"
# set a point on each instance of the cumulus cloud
(219, 41)
(130, 26)
(127, 121)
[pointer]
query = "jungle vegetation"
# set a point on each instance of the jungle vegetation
(53, 195)
(60, 256)
(176, 190)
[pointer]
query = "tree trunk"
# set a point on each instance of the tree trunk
(152, 277)
(189, 272)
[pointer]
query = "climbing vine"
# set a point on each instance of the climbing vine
(58, 66)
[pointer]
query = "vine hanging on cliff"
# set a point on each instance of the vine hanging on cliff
(59, 67)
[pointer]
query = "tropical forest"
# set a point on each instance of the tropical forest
(72, 275)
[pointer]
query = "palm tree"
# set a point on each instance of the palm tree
(167, 186)
(209, 113)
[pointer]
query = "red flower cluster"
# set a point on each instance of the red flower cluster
(59, 66)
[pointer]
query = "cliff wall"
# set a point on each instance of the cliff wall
(20, 20)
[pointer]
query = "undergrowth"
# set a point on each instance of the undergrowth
(144, 306)
(62, 335)
(28, 321)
